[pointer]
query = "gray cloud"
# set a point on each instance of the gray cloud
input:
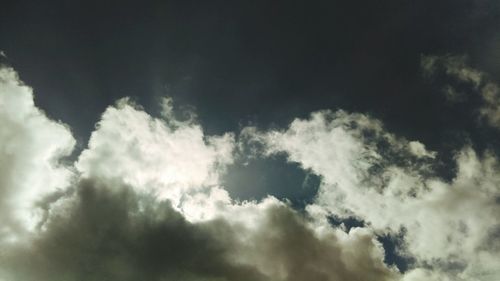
(108, 234)
(103, 233)
(455, 66)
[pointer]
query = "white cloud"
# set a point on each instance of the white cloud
(153, 155)
(30, 147)
(381, 179)
(418, 149)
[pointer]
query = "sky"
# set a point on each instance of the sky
(261, 140)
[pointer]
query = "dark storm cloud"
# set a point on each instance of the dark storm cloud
(103, 233)
(119, 235)
(285, 242)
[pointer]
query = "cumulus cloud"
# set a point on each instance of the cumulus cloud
(165, 157)
(388, 183)
(144, 202)
(31, 147)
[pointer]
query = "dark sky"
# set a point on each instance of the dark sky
(263, 62)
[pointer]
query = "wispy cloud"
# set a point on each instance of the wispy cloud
(457, 67)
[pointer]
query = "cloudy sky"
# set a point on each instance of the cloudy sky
(250, 140)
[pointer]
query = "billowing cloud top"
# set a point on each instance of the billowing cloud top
(145, 200)
(151, 155)
(31, 146)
